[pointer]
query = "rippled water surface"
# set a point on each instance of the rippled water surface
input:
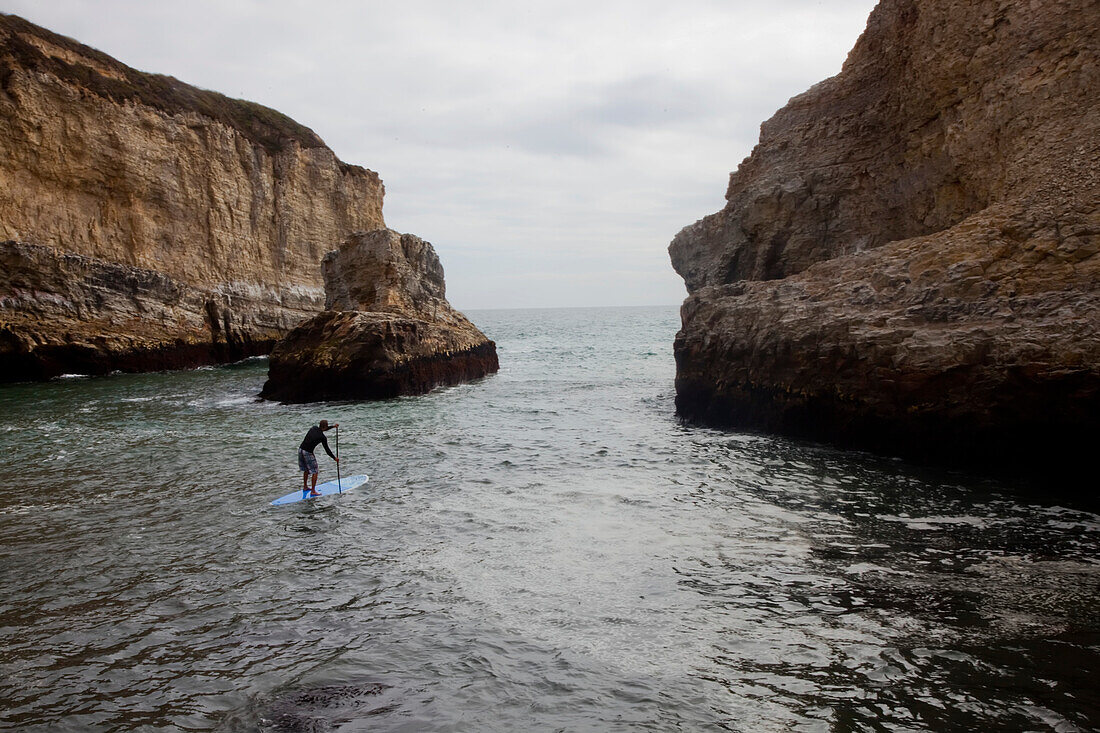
(546, 549)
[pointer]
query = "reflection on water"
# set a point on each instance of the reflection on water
(545, 549)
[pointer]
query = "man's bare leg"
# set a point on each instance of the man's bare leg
(314, 492)
(305, 480)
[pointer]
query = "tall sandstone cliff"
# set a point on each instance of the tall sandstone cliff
(909, 261)
(145, 223)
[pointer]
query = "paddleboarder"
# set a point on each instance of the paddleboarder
(307, 462)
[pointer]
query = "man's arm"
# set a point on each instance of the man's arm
(324, 442)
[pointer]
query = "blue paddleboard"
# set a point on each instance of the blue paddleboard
(347, 483)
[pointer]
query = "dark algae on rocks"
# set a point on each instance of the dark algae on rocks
(909, 260)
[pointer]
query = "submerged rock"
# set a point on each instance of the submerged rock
(388, 330)
(327, 708)
(909, 261)
(315, 709)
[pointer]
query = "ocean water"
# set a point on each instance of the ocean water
(545, 549)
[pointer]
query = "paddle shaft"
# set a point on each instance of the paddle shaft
(339, 488)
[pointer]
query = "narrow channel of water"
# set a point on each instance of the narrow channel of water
(546, 549)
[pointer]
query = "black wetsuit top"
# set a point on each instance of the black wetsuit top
(313, 437)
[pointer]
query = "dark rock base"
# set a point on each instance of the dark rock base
(373, 356)
(1053, 446)
(52, 360)
(1035, 429)
(417, 376)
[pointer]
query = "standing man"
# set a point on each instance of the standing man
(307, 462)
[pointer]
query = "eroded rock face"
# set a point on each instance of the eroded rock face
(910, 259)
(383, 270)
(136, 170)
(943, 108)
(67, 313)
(388, 330)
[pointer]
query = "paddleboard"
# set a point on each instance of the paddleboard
(347, 483)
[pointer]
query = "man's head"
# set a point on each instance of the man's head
(324, 425)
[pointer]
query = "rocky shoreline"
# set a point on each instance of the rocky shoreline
(909, 261)
(66, 313)
(874, 360)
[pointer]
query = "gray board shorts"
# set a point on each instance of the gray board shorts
(307, 462)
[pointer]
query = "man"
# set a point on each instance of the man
(307, 462)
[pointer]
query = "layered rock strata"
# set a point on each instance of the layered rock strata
(388, 329)
(69, 313)
(232, 202)
(909, 261)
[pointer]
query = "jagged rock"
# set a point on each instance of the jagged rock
(226, 198)
(908, 261)
(389, 329)
(383, 270)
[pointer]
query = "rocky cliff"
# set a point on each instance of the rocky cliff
(387, 330)
(908, 261)
(112, 170)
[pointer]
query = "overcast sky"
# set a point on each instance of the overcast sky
(549, 150)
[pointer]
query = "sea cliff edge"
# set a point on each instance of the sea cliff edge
(909, 260)
(146, 223)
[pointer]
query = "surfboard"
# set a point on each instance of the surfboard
(328, 488)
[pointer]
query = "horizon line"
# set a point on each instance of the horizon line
(567, 307)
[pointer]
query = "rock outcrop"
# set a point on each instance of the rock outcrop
(909, 261)
(230, 204)
(387, 330)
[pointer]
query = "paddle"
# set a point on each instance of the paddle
(339, 488)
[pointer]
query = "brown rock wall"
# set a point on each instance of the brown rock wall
(66, 313)
(143, 171)
(943, 107)
(956, 347)
(386, 271)
(909, 261)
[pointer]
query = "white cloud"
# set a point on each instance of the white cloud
(549, 151)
